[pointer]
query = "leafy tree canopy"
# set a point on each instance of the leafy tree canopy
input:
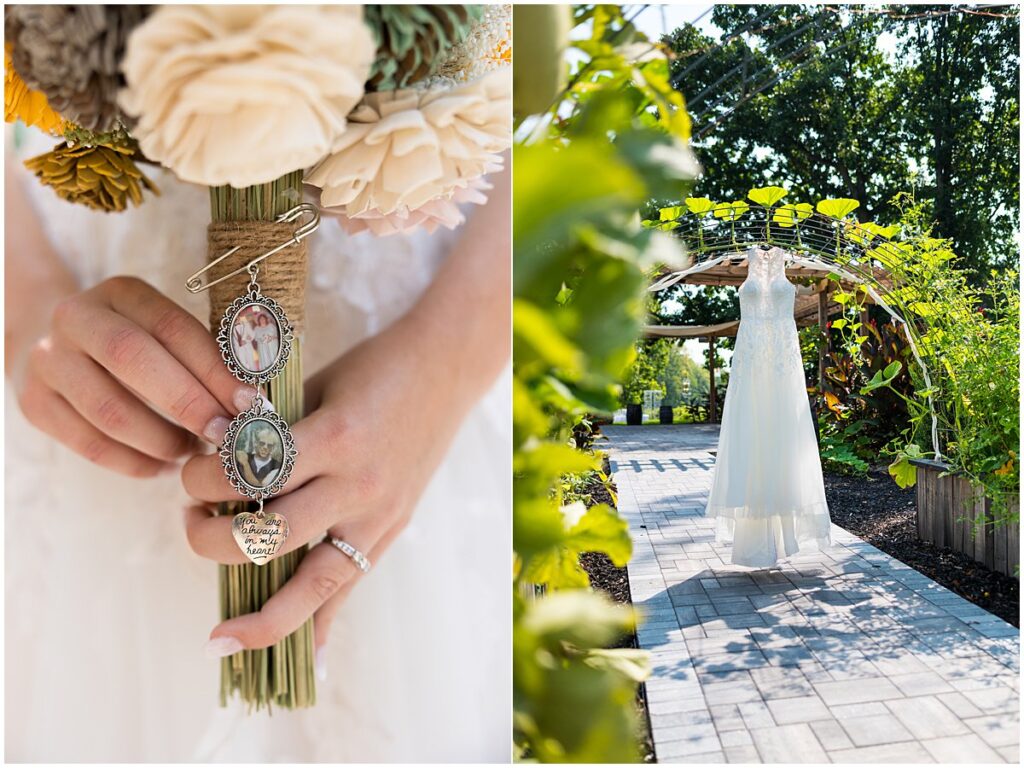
(864, 104)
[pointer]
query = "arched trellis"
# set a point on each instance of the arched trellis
(852, 251)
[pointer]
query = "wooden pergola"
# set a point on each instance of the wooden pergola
(815, 307)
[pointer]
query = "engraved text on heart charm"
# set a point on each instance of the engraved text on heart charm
(259, 536)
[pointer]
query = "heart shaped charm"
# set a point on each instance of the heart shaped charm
(260, 535)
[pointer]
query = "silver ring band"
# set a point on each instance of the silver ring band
(357, 557)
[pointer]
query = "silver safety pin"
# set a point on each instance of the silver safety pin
(195, 283)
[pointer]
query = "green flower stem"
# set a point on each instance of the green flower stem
(282, 675)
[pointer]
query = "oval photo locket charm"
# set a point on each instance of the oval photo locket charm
(258, 455)
(255, 337)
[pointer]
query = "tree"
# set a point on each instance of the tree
(647, 370)
(804, 96)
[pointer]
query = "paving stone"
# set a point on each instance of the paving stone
(1010, 754)
(730, 693)
(920, 683)
(788, 744)
(996, 699)
(857, 691)
(736, 739)
(666, 751)
(996, 730)
(905, 752)
(958, 704)
(756, 714)
(927, 717)
(874, 730)
(831, 735)
(743, 755)
(800, 709)
(961, 749)
(781, 682)
(727, 717)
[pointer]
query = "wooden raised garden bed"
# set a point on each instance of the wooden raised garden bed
(947, 508)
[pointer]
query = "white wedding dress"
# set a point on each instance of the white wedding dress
(107, 609)
(767, 491)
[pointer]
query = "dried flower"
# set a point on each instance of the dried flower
(22, 103)
(405, 149)
(72, 53)
(101, 176)
(241, 95)
(487, 47)
(413, 40)
(440, 212)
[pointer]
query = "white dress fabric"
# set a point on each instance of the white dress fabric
(767, 492)
(107, 609)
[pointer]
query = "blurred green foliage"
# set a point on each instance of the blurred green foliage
(617, 136)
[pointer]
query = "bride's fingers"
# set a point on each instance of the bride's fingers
(51, 413)
(323, 619)
(320, 575)
(111, 408)
(181, 334)
(309, 510)
(140, 362)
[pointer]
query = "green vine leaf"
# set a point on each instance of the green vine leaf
(767, 196)
(901, 470)
(789, 215)
(731, 211)
(699, 205)
(838, 208)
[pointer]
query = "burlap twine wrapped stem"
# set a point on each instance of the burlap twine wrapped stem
(283, 674)
(282, 277)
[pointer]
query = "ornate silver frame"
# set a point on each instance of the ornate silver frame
(228, 450)
(227, 349)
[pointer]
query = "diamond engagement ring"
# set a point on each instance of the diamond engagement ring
(361, 561)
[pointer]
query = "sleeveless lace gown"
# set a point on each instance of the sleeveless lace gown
(767, 492)
(104, 658)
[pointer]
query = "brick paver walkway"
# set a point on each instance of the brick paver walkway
(846, 656)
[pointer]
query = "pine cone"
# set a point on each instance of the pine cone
(413, 39)
(104, 177)
(72, 54)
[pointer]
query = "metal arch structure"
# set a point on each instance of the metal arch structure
(818, 243)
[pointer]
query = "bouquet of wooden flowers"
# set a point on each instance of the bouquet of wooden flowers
(389, 115)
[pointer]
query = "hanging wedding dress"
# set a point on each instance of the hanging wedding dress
(767, 491)
(107, 609)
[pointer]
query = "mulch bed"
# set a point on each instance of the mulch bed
(883, 514)
(614, 582)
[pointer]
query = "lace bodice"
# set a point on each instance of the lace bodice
(767, 336)
(766, 294)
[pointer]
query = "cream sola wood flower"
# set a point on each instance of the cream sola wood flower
(241, 95)
(409, 157)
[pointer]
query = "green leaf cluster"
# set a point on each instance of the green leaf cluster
(968, 338)
(616, 138)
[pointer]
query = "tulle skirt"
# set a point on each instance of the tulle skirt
(767, 492)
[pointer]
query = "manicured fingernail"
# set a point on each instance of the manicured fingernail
(321, 663)
(219, 647)
(244, 397)
(215, 429)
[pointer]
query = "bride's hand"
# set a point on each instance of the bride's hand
(380, 421)
(113, 359)
(93, 368)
